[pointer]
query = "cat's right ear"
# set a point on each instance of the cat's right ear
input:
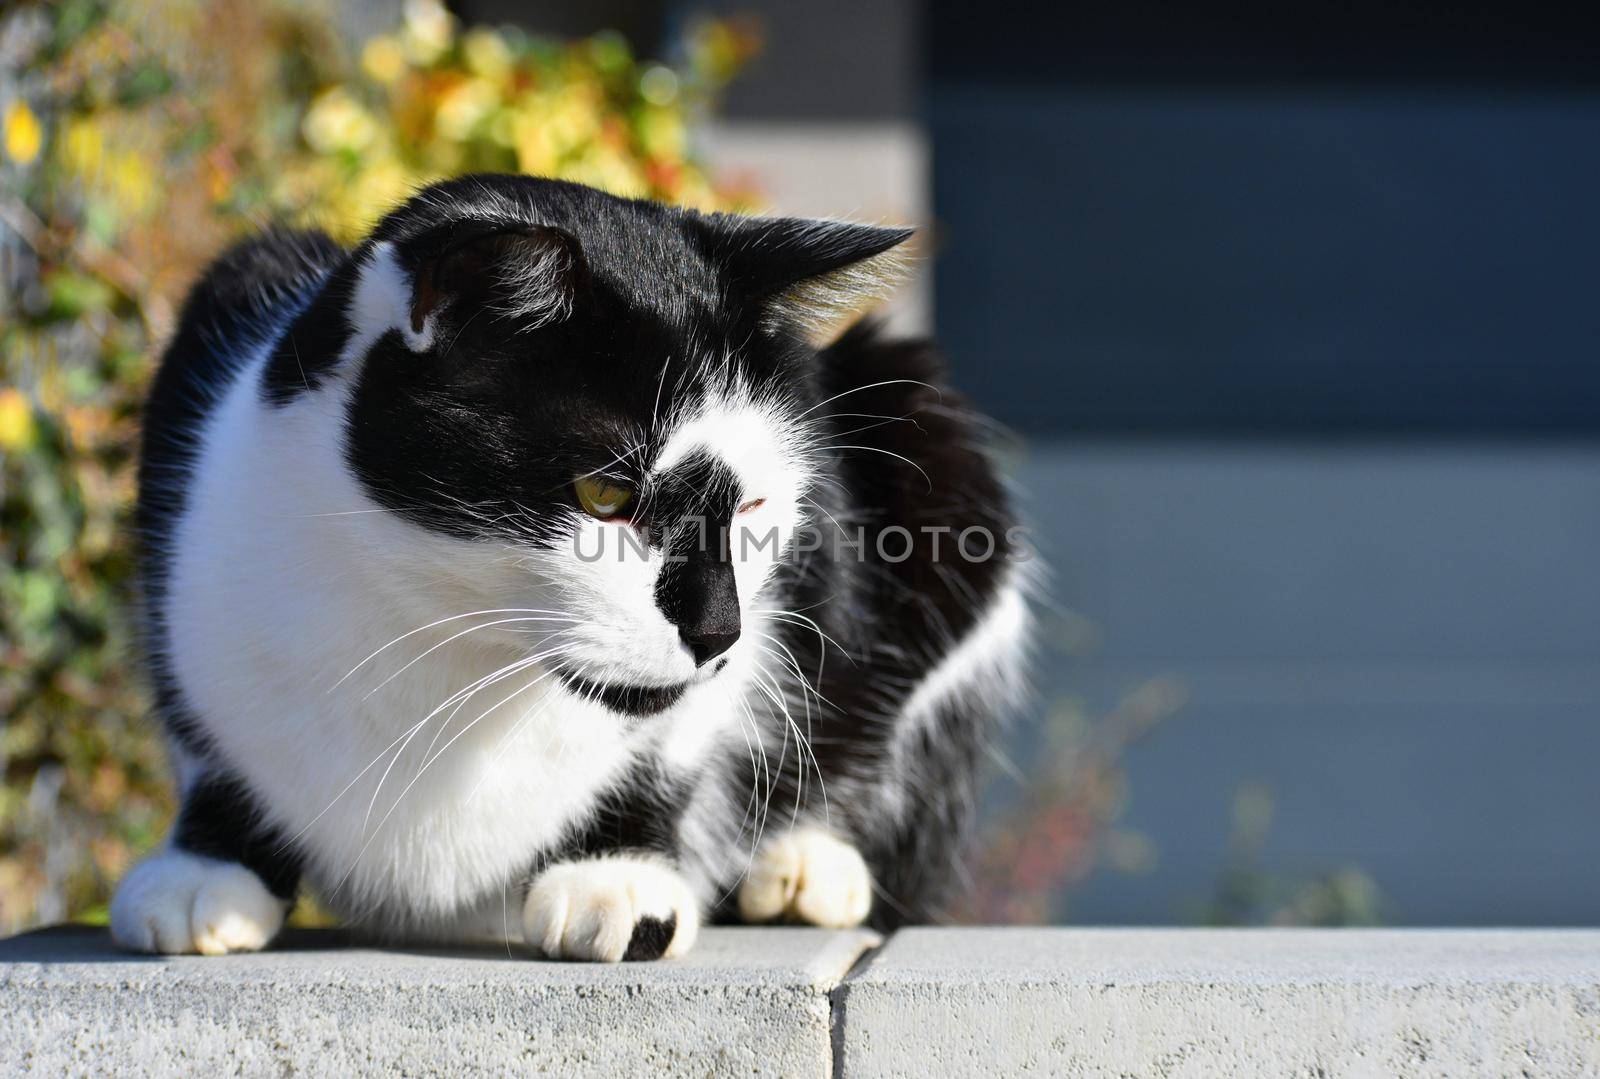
(809, 273)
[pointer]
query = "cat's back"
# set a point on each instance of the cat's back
(915, 457)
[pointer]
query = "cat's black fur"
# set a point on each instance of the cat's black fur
(484, 435)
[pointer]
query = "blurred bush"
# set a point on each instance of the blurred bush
(138, 137)
(1064, 823)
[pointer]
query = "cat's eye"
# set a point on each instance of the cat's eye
(601, 497)
(753, 504)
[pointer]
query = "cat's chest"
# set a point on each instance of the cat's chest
(461, 806)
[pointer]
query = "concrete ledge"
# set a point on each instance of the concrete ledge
(1207, 1002)
(797, 1002)
(745, 1001)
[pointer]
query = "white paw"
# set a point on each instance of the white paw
(178, 903)
(807, 875)
(610, 909)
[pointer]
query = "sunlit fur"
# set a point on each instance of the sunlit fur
(374, 605)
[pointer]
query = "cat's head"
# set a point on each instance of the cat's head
(615, 397)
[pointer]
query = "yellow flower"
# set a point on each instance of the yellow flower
(83, 147)
(486, 53)
(133, 182)
(383, 59)
(17, 429)
(336, 121)
(573, 116)
(462, 106)
(24, 136)
(428, 30)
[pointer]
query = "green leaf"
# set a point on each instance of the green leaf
(72, 295)
(143, 84)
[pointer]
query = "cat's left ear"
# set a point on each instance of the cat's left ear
(527, 273)
(809, 273)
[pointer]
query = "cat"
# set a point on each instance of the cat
(529, 570)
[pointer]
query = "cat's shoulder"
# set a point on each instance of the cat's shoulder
(255, 278)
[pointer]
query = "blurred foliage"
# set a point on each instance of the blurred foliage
(139, 136)
(1248, 894)
(1066, 824)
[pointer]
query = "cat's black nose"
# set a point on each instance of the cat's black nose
(708, 644)
(700, 596)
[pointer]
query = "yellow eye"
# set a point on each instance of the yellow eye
(600, 497)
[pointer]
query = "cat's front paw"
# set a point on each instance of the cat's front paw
(610, 909)
(177, 903)
(807, 875)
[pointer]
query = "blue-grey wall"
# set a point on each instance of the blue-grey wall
(1307, 353)
(1231, 261)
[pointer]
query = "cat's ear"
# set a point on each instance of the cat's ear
(527, 273)
(809, 273)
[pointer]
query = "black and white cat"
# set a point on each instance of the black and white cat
(527, 568)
